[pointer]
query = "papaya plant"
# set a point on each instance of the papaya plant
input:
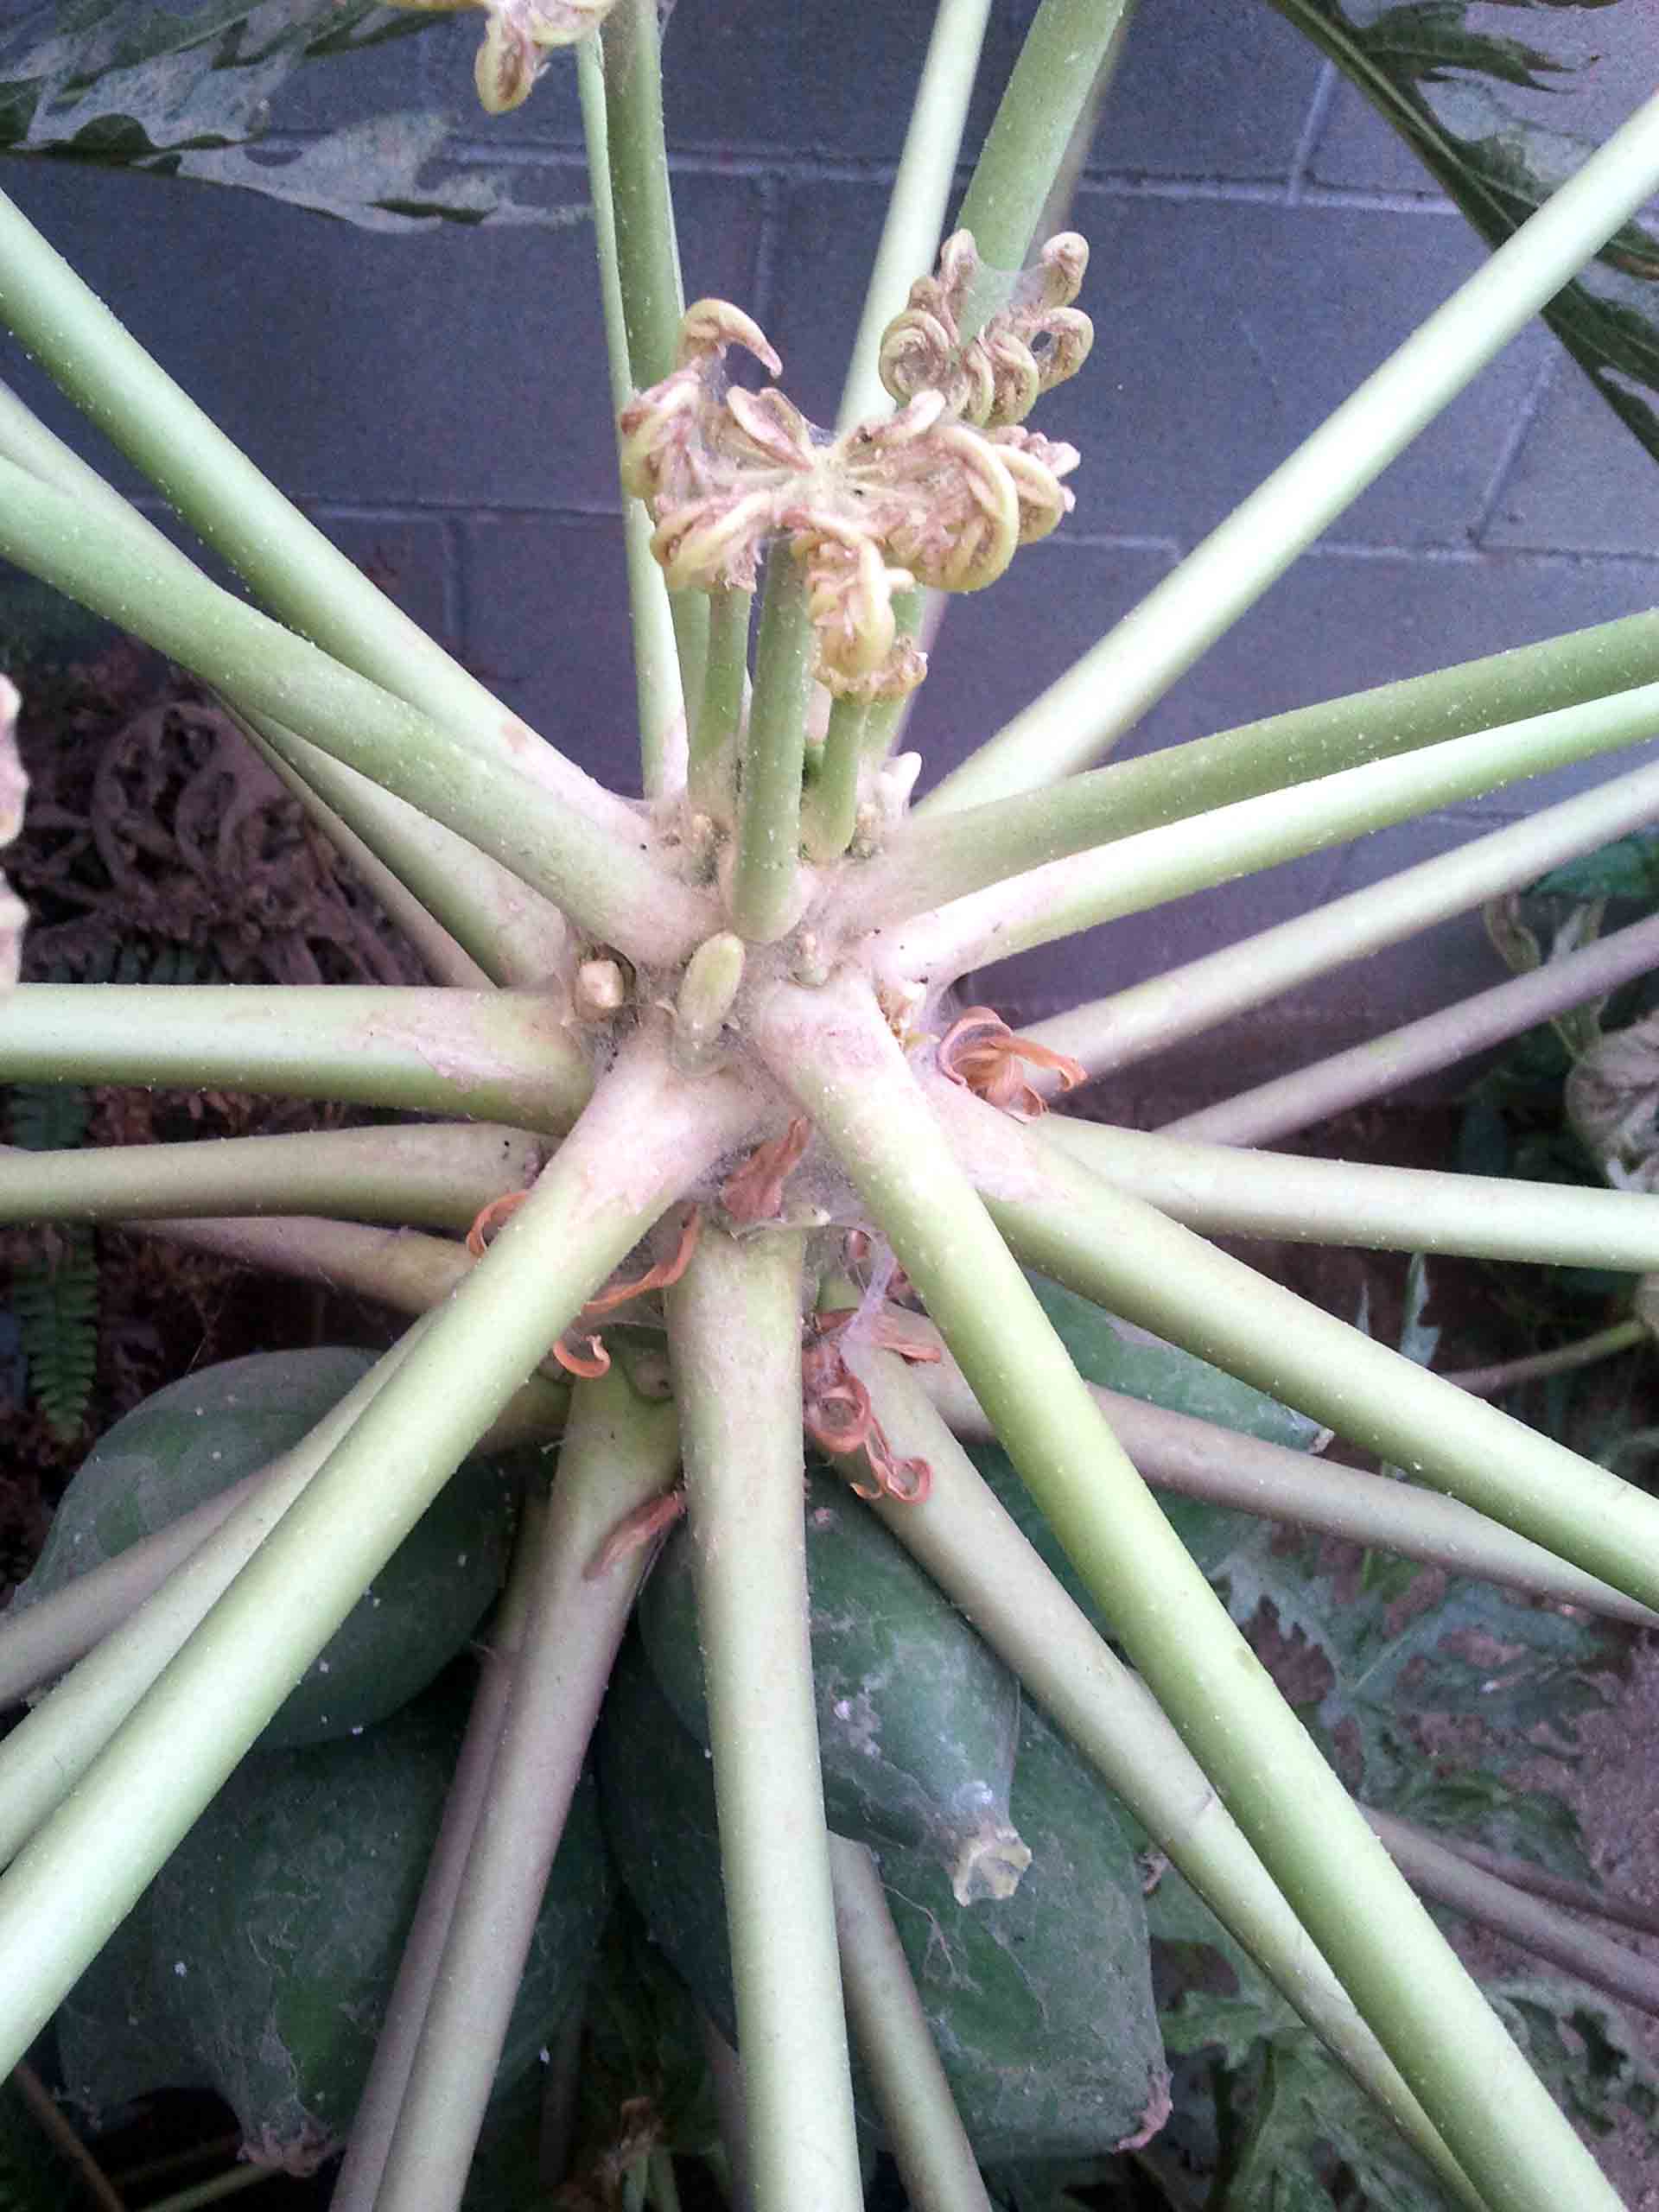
(708, 1165)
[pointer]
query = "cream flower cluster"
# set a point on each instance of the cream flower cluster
(518, 35)
(921, 497)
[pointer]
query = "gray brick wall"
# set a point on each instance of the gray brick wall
(1260, 244)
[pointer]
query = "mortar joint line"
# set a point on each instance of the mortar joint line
(1532, 402)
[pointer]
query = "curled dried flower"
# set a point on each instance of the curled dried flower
(634, 1531)
(1036, 341)
(918, 497)
(518, 35)
(754, 1192)
(595, 1361)
(981, 1053)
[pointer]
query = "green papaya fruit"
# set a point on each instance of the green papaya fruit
(918, 1719)
(259, 1961)
(1040, 2003)
(197, 1436)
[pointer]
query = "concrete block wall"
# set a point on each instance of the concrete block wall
(1260, 244)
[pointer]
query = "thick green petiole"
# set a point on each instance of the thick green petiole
(767, 888)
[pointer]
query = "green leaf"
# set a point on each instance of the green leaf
(186, 92)
(1583, 2046)
(1426, 67)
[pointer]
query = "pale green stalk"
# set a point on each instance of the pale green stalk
(472, 920)
(233, 2182)
(655, 657)
(766, 889)
(734, 1337)
(601, 878)
(49, 1751)
(1196, 1459)
(1227, 1192)
(1026, 145)
(972, 1548)
(636, 1147)
(444, 957)
(492, 1056)
(1579, 1897)
(935, 2159)
(1104, 694)
(1127, 876)
(1509, 1373)
(43, 1639)
(1113, 1031)
(288, 562)
(830, 812)
(833, 1051)
(715, 739)
(1114, 1248)
(916, 206)
(1453, 1880)
(618, 1453)
(400, 1268)
(647, 254)
(439, 1176)
(1438, 1040)
(483, 903)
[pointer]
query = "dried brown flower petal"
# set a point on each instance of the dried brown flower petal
(754, 1192)
(980, 1051)
(1036, 341)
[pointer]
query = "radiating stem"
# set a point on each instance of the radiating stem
(417, 1967)
(930, 2145)
(830, 809)
(1538, 1881)
(439, 1176)
(618, 1452)
(734, 1337)
(1104, 694)
(485, 906)
(288, 562)
(1130, 1258)
(765, 889)
(647, 254)
(834, 1050)
(655, 657)
(41, 1640)
(1130, 875)
(1113, 1033)
(715, 739)
(511, 935)
(1453, 1880)
(1439, 1040)
(1227, 1192)
(1509, 1373)
(600, 877)
(973, 1550)
(1027, 142)
(488, 1054)
(1197, 1459)
(637, 1146)
(915, 217)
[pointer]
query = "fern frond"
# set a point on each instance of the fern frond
(55, 1302)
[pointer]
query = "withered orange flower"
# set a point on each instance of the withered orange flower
(839, 1418)
(981, 1053)
(595, 1361)
(754, 1192)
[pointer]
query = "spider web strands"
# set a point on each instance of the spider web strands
(487, 1055)
(1196, 1459)
(439, 1176)
(605, 879)
(442, 893)
(1225, 1192)
(288, 561)
(962, 1535)
(1291, 1102)
(642, 1139)
(735, 1340)
(1116, 1249)
(1114, 1032)
(833, 1051)
(1082, 715)
(1158, 865)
